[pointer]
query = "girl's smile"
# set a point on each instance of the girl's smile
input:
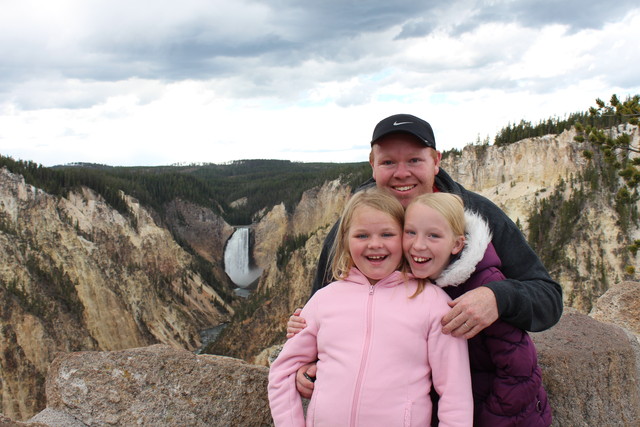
(375, 243)
(428, 241)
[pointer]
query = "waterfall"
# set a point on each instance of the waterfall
(237, 259)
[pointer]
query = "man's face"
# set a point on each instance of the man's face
(404, 166)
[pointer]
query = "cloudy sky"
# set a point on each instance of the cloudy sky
(157, 82)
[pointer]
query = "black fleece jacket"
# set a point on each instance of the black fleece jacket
(528, 299)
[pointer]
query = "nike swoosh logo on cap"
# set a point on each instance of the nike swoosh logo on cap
(401, 123)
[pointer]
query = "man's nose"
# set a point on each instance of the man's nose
(401, 170)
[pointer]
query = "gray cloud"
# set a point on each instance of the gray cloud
(465, 16)
(111, 45)
(576, 14)
(260, 47)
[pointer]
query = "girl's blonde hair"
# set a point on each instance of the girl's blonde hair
(374, 198)
(451, 207)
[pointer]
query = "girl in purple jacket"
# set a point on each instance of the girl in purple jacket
(506, 378)
(376, 335)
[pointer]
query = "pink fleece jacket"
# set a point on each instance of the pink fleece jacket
(378, 352)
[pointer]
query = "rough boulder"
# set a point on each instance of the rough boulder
(156, 386)
(620, 305)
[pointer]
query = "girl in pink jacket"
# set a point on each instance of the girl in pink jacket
(376, 335)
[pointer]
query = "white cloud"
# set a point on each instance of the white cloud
(204, 81)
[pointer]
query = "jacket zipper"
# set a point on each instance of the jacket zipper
(365, 355)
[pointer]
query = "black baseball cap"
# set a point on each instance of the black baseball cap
(405, 123)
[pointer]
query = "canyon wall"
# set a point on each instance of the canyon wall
(75, 274)
(519, 176)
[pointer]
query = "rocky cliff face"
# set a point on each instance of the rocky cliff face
(514, 176)
(518, 177)
(77, 275)
(203, 230)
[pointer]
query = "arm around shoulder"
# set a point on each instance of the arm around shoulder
(528, 298)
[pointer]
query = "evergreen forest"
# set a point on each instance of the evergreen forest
(264, 183)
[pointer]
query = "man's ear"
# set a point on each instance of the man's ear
(371, 162)
(437, 158)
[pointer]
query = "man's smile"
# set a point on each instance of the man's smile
(404, 187)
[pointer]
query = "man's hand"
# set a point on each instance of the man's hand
(295, 323)
(303, 384)
(471, 313)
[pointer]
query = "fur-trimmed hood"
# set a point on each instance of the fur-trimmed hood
(477, 238)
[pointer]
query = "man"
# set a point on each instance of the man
(404, 160)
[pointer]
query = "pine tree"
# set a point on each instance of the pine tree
(617, 151)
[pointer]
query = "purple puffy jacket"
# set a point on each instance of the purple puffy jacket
(506, 378)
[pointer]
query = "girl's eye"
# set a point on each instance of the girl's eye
(410, 232)
(434, 236)
(388, 234)
(360, 236)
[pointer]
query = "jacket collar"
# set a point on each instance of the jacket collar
(391, 280)
(478, 237)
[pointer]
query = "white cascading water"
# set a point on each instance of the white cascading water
(236, 259)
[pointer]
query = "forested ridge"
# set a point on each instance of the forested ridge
(603, 116)
(264, 183)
